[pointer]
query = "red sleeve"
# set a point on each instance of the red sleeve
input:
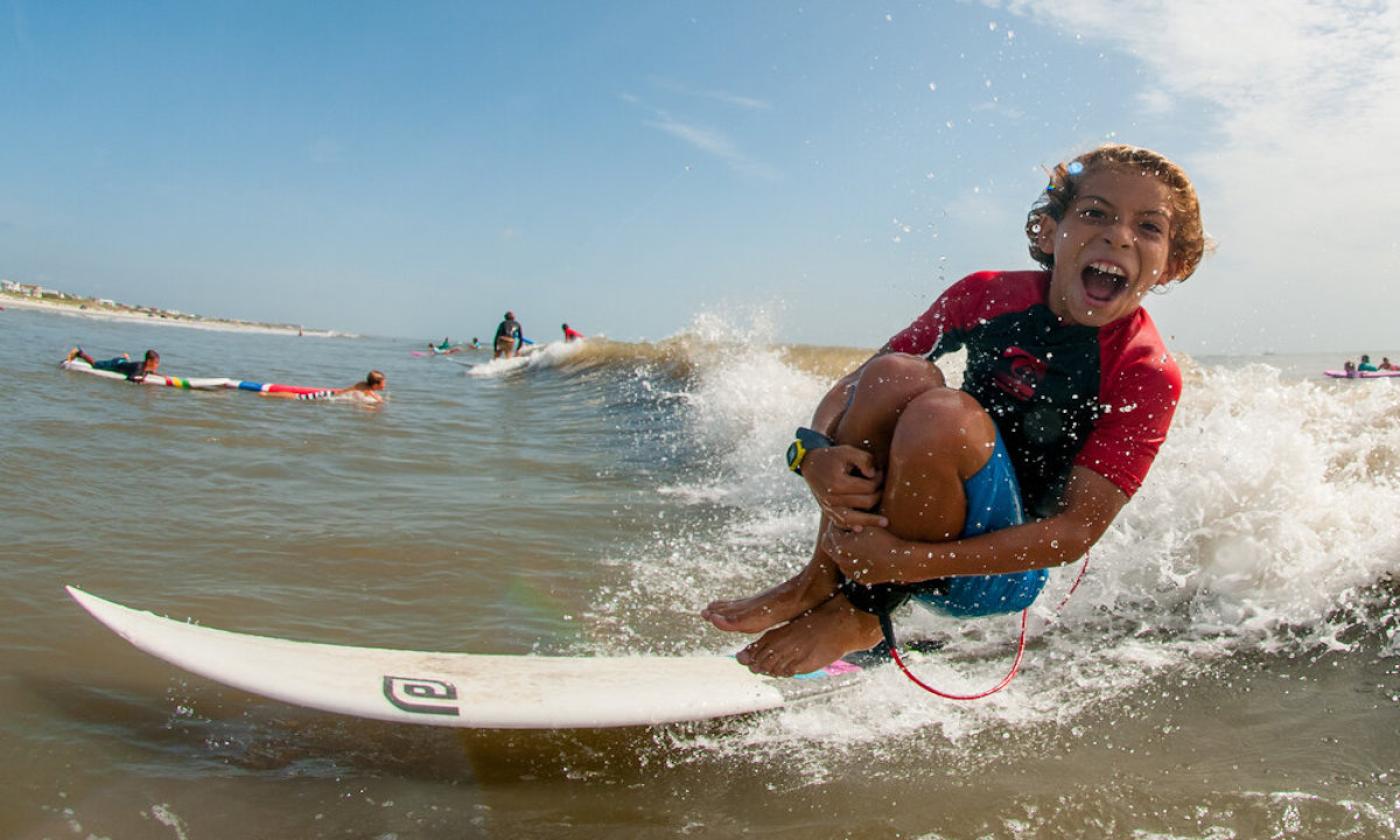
(1140, 388)
(960, 306)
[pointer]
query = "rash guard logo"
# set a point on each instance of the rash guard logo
(1019, 373)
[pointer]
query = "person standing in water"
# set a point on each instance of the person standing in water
(962, 499)
(508, 337)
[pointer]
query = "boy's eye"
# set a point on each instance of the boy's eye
(1091, 213)
(1152, 227)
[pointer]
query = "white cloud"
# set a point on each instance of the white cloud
(747, 103)
(714, 143)
(1299, 111)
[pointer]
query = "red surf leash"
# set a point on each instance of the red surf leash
(887, 627)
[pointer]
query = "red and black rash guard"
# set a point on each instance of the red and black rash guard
(1062, 395)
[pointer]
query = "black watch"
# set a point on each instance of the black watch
(806, 440)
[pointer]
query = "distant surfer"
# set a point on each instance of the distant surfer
(133, 371)
(570, 334)
(509, 337)
(962, 499)
(1387, 364)
(1365, 365)
(370, 389)
(476, 343)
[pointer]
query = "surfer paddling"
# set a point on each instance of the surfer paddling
(962, 499)
(370, 390)
(133, 371)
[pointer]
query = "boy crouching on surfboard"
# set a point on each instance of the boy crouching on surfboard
(962, 499)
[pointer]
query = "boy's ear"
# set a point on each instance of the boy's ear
(1173, 270)
(1045, 240)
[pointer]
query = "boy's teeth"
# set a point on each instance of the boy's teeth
(1108, 268)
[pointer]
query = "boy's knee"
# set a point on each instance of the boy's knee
(945, 423)
(898, 378)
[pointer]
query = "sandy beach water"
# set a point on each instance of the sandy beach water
(98, 311)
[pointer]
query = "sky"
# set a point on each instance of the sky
(803, 172)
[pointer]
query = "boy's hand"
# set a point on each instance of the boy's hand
(846, 485)
(870, 556)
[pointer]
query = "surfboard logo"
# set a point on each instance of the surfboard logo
(421, 696)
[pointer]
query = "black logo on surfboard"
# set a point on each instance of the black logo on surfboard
(421, 696)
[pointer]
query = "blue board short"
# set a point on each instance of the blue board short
(993, 503)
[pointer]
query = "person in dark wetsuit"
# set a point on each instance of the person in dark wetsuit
(962, 499)
(133, 371)
(509, 337)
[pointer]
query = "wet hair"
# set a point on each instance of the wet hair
(152, 356)
(1189, 241)
(374, 377)
(510, 316)
(563, 326)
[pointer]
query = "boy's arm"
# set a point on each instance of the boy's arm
(874, 555)
(843, 479)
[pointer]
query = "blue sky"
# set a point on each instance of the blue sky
(816, 171)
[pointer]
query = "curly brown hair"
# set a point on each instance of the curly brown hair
(1189, 241)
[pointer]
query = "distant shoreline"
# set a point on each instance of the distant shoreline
(110, 311)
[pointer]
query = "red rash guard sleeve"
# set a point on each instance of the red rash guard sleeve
(1141, 385)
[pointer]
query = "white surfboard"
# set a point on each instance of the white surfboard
(467, 690)
(206, 383)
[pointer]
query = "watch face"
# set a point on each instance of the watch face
(794, 455)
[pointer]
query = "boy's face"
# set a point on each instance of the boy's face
(1111, 248)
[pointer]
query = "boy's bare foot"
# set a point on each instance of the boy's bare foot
(771, 607)
(815, 640)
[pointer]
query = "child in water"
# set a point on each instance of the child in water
(962, 499)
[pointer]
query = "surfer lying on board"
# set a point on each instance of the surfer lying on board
(370, 390)
(133, 371)
(962, 499)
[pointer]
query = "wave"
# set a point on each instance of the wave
(682, 357)
(1267, 527)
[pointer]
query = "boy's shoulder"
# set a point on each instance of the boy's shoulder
(1133, 354)
(984, 296)
(1032, 285)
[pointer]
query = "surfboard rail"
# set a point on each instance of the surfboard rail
(465, 690)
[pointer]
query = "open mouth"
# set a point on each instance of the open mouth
(1103, 281)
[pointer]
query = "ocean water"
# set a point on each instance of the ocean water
(1229, 667)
